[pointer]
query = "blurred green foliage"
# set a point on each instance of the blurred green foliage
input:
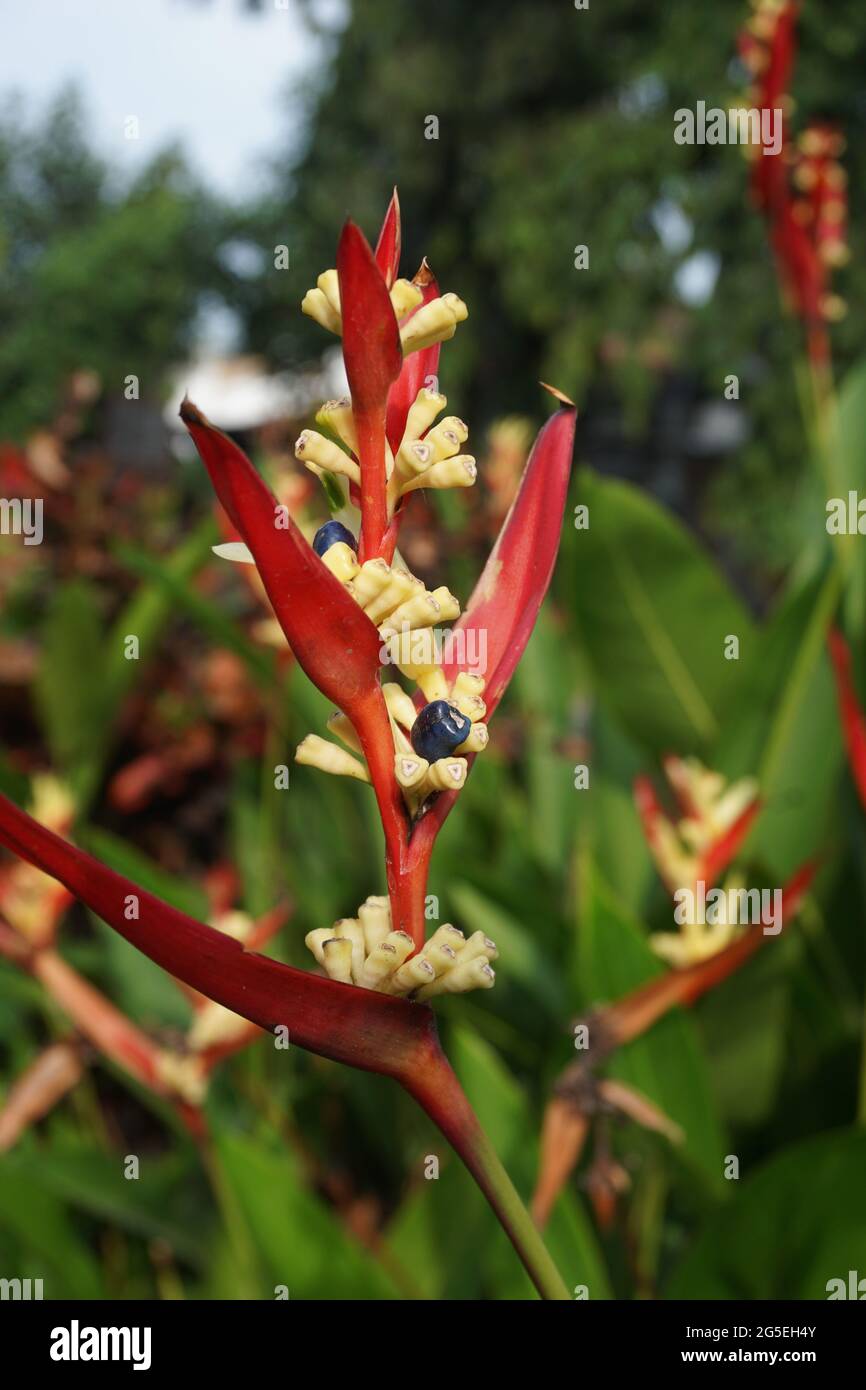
(555, 128)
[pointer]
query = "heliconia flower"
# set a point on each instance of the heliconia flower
(800, 188)
(343, 605)
(714, 822)
(851, 713)
(579, 1094)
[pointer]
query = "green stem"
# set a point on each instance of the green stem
(435, 1087)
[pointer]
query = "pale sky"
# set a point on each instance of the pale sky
(207, 73)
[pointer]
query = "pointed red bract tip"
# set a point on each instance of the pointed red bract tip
(388, 246)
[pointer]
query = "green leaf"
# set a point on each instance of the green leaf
(790, 1227)
(527, 963)
(94, 1182)
(49, 1245)
(504, 1114)
(654, 614)
(209, 616)
(795, 750)
(298, 1239)
(70, 687)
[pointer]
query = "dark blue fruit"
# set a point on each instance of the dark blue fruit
(438, 730)
(330, 534)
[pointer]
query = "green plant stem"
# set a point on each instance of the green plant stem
(436, 1088)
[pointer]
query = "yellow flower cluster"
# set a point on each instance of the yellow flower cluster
(365, 951)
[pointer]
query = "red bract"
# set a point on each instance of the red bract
(333, 640)
(717, 856)
(506, 600)
(850, 712)
(507, 597)
(389, 244)
(366, 1030)
(373, 358)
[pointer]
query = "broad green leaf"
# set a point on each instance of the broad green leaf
(50, 1246)
(298, 1239)
(523, 959)
(70, 688)
(785, 730)
(654, 614)
(787, 1230)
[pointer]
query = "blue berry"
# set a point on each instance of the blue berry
(330, 534)
(438, 730)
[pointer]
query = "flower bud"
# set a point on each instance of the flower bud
(385, 958)
(338, 417)
(317, 452)
(341, 725)
(400, 704)
(421, 610)
(410, 770)
(449, 606)
(422, 413)
(329, 283)
(467, 683)
(405, 297)
(446, 775)
(315, 940)
(370, 581)
(337, 959)
(412, 974)
(446, 437)
(374, 915)
(471, 705)
(313, 751)
(350, 929)
(401, 586)
(476, 973)
(479, 945)
(413, 458)
(476, 740)
(460, 471)
(434, 322)
(440, 955)
(447, 935)
(316, 306)
(342, 561)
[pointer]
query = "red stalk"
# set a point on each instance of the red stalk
(852, 716)
(371, 1031)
